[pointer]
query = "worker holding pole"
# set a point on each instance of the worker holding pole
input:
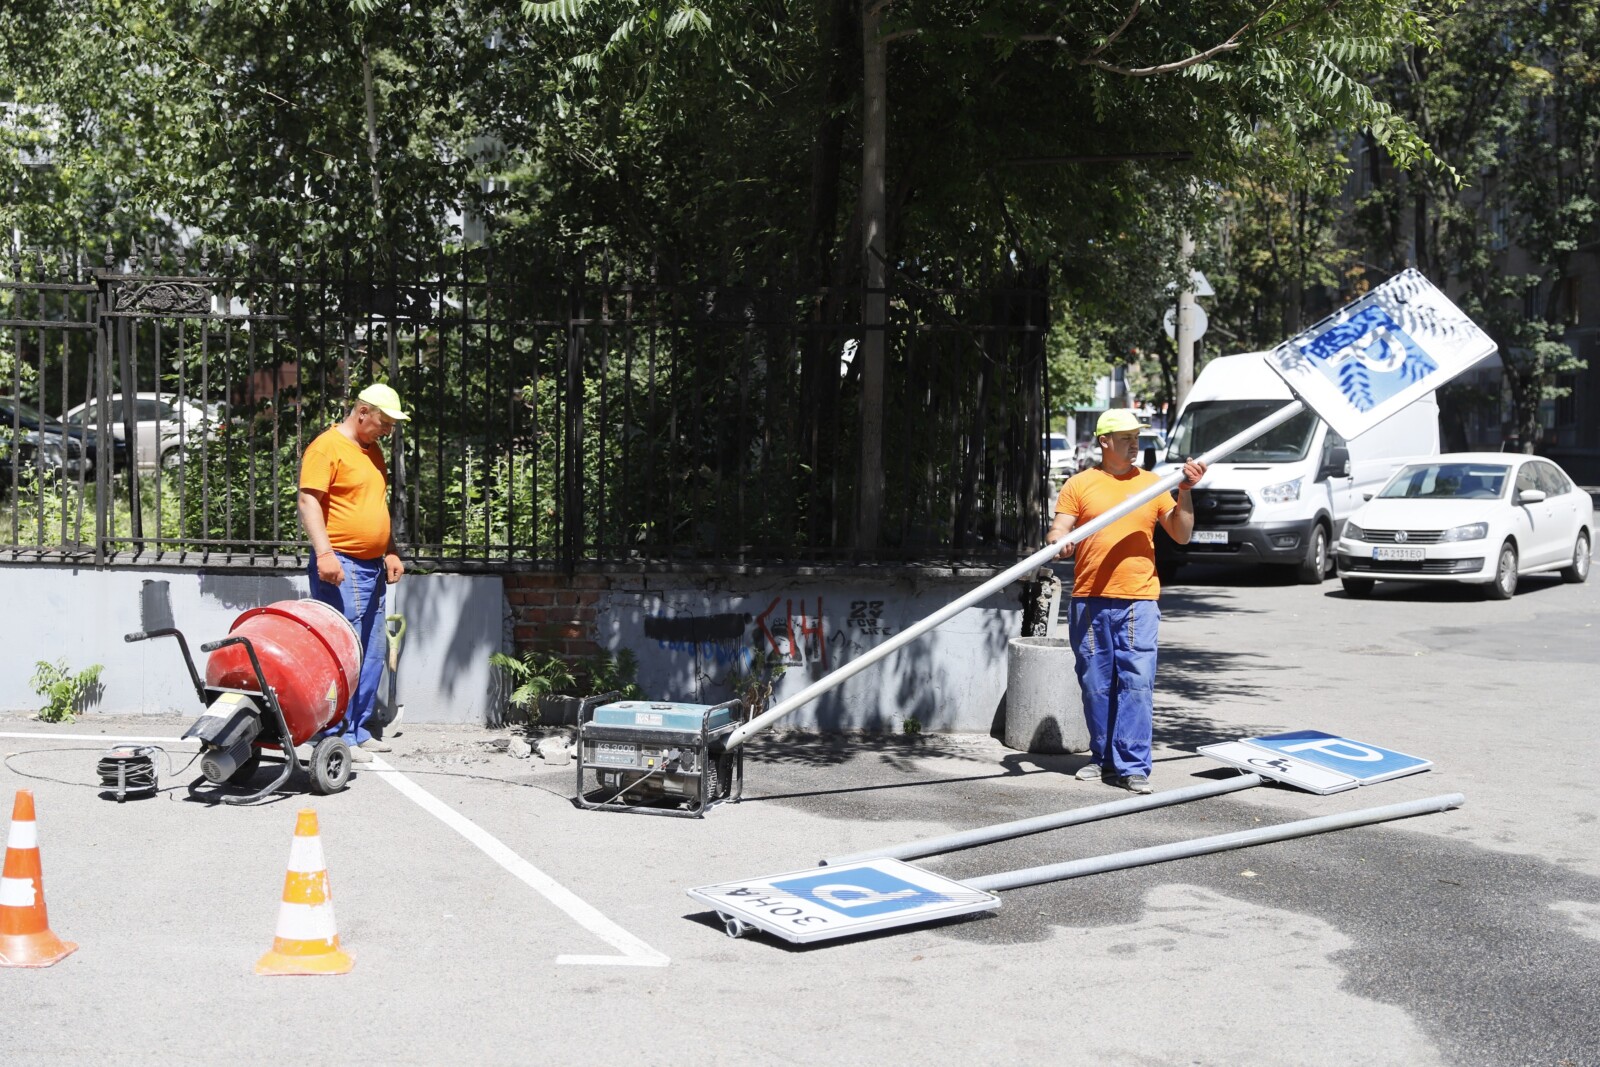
(1114, 616)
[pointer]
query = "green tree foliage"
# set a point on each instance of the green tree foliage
(1511, 101)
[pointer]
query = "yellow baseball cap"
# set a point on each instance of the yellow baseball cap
(1116, 421)
(385, 399)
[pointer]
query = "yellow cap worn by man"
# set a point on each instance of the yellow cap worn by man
(1114, 615)
(1118, 420)
(344, 507)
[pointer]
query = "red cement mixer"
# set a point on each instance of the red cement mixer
(283, 675)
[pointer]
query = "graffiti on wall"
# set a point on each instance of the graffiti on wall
(789, 630)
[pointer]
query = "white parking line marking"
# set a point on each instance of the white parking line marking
(108, 737)
(635, 953)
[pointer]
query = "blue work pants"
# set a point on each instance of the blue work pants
(359, 598)
(1114, 649)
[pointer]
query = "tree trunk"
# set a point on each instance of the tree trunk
(874, 250)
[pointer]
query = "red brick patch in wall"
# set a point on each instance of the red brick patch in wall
(555, 612)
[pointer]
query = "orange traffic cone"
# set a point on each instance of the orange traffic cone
(307, 941)
(25, 937)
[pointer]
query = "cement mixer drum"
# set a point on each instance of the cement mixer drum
(309, 654)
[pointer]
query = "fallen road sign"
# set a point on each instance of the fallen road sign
(1315, 761)
(1280, 768)
(819, 904)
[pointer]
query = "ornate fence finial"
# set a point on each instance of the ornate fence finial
(133, 256)
(182, 255)
(205, 258)
(111, 254)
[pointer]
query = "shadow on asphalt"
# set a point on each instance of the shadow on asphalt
(1446, 592)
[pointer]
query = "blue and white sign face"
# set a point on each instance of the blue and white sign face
(1361, 761)
(1315, 761)
(817, 904)
(1280, 768)
(1374, 356)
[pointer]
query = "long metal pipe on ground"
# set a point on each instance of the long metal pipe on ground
(1220, 843)
(1000, 581)
(1039, 823)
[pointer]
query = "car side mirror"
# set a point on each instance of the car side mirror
(1530, 496)
(1337, 465)
(1150, 458)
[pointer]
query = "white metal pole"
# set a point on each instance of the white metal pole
(1002, 831)
(1000, 581)
(1220, 843)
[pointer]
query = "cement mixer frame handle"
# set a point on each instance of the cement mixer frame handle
(188, 660)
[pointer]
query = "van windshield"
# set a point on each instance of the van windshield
(1207, 423)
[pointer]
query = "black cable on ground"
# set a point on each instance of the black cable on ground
(103, 787)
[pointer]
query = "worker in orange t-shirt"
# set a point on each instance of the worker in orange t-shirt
(1114, 615)
(344, 507)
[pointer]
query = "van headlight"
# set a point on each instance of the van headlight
(1282, 493)
(1471, 532)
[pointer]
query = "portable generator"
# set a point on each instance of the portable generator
(283, 675)
(658, 757)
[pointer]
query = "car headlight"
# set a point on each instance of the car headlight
(1354, 532)
(1282, 493)
(1470, 532)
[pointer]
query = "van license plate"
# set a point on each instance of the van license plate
(1398, 555)
(1209, 537)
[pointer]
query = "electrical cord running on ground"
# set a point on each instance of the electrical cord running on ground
(171, 773)
(101, 785)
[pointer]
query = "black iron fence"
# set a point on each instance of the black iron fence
(570, 412)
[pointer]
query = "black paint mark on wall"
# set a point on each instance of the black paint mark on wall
(155, 605)
(247, 590)
(696, 629)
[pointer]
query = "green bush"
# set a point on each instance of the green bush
(62, 689)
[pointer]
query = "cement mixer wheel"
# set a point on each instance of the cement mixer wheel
(330, 765)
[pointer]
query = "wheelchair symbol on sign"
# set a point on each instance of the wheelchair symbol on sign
(1279, 765)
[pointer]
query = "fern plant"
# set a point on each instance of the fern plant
(535, 674)
(62, 689)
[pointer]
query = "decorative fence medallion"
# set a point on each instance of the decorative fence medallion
(164, 298)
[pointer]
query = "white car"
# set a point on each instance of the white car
(1060, 461)
(164, 425)
(1482, 518)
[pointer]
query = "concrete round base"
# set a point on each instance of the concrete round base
(1044, 711)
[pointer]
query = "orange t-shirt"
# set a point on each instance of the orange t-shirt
(355, 487)
(1120, 560)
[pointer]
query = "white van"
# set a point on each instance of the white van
(1284, 498)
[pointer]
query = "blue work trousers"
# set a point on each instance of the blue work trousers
(359, 598)
(1114, 649)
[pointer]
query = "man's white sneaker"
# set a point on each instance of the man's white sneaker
(359, 756)
(372, 744)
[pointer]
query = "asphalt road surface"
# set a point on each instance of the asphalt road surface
(493, 922)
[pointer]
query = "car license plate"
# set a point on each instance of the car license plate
(1209, 537)
(1398, 555)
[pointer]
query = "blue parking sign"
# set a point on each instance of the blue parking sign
(867, 891)
(1364, 762)
(851, 898)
